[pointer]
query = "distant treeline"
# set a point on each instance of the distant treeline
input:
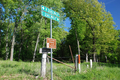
(92, 33)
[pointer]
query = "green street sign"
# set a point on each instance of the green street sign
(49, 16)
(49, 11)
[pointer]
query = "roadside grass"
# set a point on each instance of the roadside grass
(19, 70)
(29, 71)
(100, 71)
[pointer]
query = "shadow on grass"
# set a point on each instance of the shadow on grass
(28, 72)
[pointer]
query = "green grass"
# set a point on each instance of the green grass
(29, 70)
(19, 70)
(102, 71)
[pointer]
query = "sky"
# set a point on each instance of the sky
(113, 6)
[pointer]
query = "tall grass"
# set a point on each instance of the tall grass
(19, 70)
(29, 70)
(98, 72)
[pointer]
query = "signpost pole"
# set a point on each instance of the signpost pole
(51, 48)
(49, 13)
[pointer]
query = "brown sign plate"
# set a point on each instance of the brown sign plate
(51, 43)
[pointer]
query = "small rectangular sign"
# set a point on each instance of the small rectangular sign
(51, 43)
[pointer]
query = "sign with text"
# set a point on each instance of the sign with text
(49, 13)
(51, 43)
(49, 16)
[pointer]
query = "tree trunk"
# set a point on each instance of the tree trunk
(36, 44)
(13, 43)
(94, 56)
(78, 46)
(7, 52)
(106, 58)
(86, 57)
(78, 51)
(44, 43)
(77, 42)
(36, 47)
(13, 39)
(94, 49)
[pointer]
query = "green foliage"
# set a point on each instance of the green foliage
(26, 17)
(94, 26)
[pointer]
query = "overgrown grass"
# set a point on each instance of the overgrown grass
(19, 70)
(29, 70)
(100, 71)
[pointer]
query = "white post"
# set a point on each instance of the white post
(79, 68)
(43, 65)
(76, 61)
(91, 63)
(86, 57)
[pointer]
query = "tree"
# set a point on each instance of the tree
(92, 14)
(23, 20)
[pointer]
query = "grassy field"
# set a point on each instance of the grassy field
(31, 71)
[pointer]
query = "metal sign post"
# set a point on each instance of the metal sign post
(49, 13)
(51, 48)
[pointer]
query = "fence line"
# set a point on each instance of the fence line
(61, 62)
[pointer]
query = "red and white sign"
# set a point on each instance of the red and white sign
(51, 43)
